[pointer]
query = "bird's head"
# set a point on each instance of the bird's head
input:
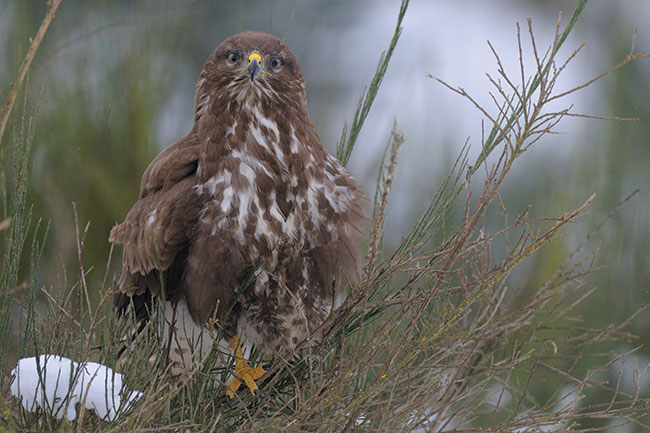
(251, 68)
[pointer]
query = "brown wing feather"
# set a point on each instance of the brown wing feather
(159, 225)
(170, 166)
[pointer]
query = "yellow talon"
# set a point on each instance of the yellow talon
(243, 372)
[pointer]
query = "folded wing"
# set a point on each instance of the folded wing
(157, 230)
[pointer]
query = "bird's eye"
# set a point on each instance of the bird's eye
(233, 58)
(276, 63)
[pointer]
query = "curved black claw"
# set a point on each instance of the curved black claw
(228, 401)
(266, 367)
(258, 396)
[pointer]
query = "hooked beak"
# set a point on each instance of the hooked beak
(253, 65)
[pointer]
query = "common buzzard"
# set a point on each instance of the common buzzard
(247, 223)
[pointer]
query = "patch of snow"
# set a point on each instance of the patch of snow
(56, 384)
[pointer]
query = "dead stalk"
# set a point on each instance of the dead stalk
(52, 6)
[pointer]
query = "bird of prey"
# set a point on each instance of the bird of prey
(247, 223)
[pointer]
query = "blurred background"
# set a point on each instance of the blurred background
(113, 83)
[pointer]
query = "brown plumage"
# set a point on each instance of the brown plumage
(251, 189)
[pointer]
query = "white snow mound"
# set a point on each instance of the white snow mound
(56, 384)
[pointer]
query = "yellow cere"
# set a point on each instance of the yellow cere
(255, 56)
